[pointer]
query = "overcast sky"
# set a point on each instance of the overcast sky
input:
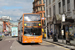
(15, 8)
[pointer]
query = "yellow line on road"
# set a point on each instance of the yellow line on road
(58, 45)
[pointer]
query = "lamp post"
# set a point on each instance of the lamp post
(46, 25)
(62, 30)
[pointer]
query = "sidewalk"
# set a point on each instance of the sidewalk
(60, 43)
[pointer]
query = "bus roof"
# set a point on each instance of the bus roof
(31, 13)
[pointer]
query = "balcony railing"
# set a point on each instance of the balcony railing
(68, 14)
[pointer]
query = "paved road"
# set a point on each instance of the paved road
(41, 46)
(5, 45)
(13, 44)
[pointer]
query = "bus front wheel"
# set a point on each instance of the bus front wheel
(21, 39)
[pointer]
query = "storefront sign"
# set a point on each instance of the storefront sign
(62, 32)
(63, 18)
(70, 30)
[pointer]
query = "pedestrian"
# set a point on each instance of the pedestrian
(50, 33)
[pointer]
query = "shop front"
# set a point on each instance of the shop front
(72, 34)
(69, 30)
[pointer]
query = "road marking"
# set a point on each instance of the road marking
(11, 47)
(59, 46)
(9, 41)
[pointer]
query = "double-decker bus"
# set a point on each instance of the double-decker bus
(30, 28)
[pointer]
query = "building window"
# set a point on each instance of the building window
(59, 7)
(49, 1)
(44, 8)
(43, 1)
(46, 3)
(39, 1)
(53, 0)
(50, 11)
(63, 2)
(44, 14)
(54, 10)
(34, 4)
(68, 5)
(41, 14)
(41, 8)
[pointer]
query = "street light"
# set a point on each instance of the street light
(46, 25)
(62, 30)
(46, 18)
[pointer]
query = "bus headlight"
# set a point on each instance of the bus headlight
(39, 24)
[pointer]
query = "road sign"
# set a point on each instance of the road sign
(63, 18)
(62, 32)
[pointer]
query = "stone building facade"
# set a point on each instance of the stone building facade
(55, 9)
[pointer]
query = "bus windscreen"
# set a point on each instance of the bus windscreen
(32, 17)
(32, 31)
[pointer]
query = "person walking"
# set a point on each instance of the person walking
(50, 34)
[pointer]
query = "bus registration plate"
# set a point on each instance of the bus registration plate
(32, 42)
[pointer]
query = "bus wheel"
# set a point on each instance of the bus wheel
(18, 40)
(21, 39)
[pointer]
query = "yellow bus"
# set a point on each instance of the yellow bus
(30, 28)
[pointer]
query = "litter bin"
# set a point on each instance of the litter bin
(67, 38)
(55, 38)
(68, 41)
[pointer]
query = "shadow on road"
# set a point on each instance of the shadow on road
(0, 39)
(14, 36)
(28, 43)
